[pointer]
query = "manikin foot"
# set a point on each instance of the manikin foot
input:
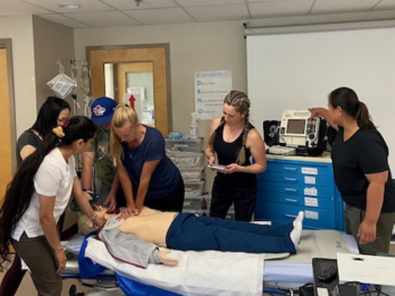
(296, 233)
(299, 218)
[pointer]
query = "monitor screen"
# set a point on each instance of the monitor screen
(296, 126)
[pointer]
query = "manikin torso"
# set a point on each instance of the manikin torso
(150, 225)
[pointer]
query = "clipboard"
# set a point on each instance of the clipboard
(377, 270)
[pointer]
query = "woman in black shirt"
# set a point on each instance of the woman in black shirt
(233, 140)
(361, 170)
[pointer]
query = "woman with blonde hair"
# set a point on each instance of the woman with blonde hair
(147, 175)
(233, 140)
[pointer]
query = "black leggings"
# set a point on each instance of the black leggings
(224, 195)
(12, 278)
(171, 202)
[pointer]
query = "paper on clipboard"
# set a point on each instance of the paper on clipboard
(377, 270)
(217, 167)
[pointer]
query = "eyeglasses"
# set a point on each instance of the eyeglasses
(63, 121)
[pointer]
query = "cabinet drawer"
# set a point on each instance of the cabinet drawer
(296, 189)
(295, 179)
(301, 200)
(289, 167)
(284, 214)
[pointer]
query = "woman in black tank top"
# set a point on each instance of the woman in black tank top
(233, 140)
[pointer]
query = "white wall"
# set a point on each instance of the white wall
(20, 30)
(298, 71)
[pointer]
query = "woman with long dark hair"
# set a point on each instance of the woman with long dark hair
(52, 113)
(38, 195)
(361, 170)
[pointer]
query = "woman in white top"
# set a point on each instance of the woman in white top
(43, 185)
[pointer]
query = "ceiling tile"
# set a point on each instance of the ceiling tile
(12, 7)
(160, 16)
(186, 3)
(218, 13)
(385, 4)
(103, 19)
(65, 21)
(280, 8)
(331, 6)
(86, 5)
(145, 4)
(254, 1)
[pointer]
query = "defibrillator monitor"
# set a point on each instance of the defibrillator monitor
(297, 129)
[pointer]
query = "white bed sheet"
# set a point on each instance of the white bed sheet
(292, 271)
(198, 273)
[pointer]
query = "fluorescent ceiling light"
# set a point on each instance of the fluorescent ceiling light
(69, 5)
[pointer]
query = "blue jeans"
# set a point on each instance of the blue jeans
(189, 232)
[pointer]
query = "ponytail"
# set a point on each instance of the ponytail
(21, 189)
(363, 118)
(241, 156)
(213, 135)
(241, 103)
(347, 99)
(20, 192)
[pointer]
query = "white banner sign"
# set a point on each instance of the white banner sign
(211, 88)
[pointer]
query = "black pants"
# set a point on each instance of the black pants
(13, 278)
(223, 195)
(172, 202)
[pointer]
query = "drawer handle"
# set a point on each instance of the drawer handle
(291, 216)
(291, 200)
(290, 179)
(291, 189)
(289, 169)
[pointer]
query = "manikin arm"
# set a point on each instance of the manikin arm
(167, 260)
(132, 249)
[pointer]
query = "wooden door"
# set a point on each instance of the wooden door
(158, 55)
(7, 138)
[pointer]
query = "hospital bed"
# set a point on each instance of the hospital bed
(211, 272)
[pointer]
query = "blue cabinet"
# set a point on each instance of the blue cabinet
(293, 184)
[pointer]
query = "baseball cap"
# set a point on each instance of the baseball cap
(103, 109)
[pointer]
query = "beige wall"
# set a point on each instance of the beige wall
(20, 30)
(52, 42)
(193, 47)
(37, 44)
